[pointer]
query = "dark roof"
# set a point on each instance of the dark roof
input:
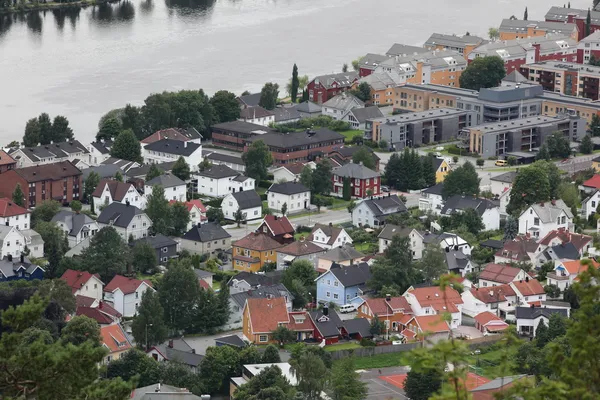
(255, 112)
(241, 127)
(389, 231)
(536, 312)
(254, 279)
(157, 241)
(11, 268)
(566, 251)
(348, 151)
(459, 202)
(48, 172)
(301, 248)
(507, 177)
(342, 253)
(225, 158)
(358, 325)
(352, 275)
(120, 214)
(363, 113)
(118, 190)
(264, 292)
(283, 114)
(142, 171)
(104, 171)
(435, 161)
(73, 221)
(201, 274)
(247, 199)
(355, 171)
(250, 100)
(386, 205)
(166, 181)
(288, 188)
(309, 107)
(206, 233)
(295, 139)
(492, 244)
(456, 260)
(278, 225)
(184, 357)
(329, 325)
(435, 189)
(103, 146)
(231, 340)
(58, 150)
(176, 147)
(218, 172)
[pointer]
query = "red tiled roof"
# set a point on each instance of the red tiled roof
(499, 273)
(432, 323)
(204, 284)
(114, 338)
(492, 294)
(127, 285)
(5, 158)
(594, 182)
(576, 267)
(295, 168)
(379, 306)
(48, 172)
(529, 287)
(433, 296)
(76, 279)
(300, 248)
(266, 314)
(169, 133)
(518, 248)
(95, 314)
(84, 301)
(485, 317)
(407, 333)
(305, 325)
(10, 209)
(258, 242)
(578, 240)
(117, 189)
(190, 204)
(278, 225)
(109, 309)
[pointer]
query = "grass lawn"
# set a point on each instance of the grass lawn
(344, 346)
(382, 361)
(260, 190)
(501, 169)
(489, 363)
(362, 247)
(216, 285)
(350, 134)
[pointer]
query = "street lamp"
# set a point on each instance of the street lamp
(477, 352)
(147, 325)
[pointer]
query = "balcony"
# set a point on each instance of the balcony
(558, 277)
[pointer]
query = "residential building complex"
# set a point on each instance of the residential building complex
(461, 44)
(574, 16)
(233, 135)
(570, 79)
(511, 29)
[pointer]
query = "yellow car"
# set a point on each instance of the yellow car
(501, 163)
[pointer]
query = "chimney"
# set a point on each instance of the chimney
(388, 297)
(170, 343)
(193, 351)
(542, 204)
(526, 279)
(157, 390)
(553, 202)
(10, 257)
(325, 310)
(127, 203)
(22, 258)
(185, 144)
(100, 305)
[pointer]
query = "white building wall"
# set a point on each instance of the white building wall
(589, 207)
(431, 202)
(491, 219)
(322, 240)
(362, 215)
(230, 207)
(295, 203)
(133, 196)
(214, 187)
(527, 221)
(92, 288)
(131, 301)
(283, 175)
(20, 222)
(497, 187)
(264, 121)
(13, 244)
(156, 157)
(177, 193)
(247, 184)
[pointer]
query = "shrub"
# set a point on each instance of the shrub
(303, 229)
(455, 159)
(367, 342)
(480, 162)
(265, 184)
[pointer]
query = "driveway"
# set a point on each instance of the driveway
(469, 331)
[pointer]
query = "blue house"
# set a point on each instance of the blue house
(342, 283)
(14, 269)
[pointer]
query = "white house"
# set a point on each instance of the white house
(125, 294)
(528, 318)
(432, 300)
(529, 291)
(541, 218)
(12, 242)
(234, 162)
(83, 283)
(339, 105)
(99, 151)
(431, 199)
(76, 226)
(447, 241)
(329, 236)
(127, 220)
(374, 212)
(294, 195)
(14, 215)
(49, 153)
(498, 274)
(220, 180)
(493, 298)
(34, 243)
(166, 150)
(111, 191)
(175, 188)
(488, 210)
(566, 272)
(502, 182)
(290, 172)
(589, 205)
(504, 199)
(257, 115)
(248, 202)
(416, 239)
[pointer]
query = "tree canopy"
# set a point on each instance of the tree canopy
(535, 183)
(107, 254)
(483, 72)
(367, 157)
(257, 159)
(269, 95)
(395, 269)
(42, 130)
(226, 106)
(462, 180)
(127, 147)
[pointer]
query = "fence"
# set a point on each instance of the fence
(373, 351)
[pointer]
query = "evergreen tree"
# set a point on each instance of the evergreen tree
(345, 382)
(415, 178)
(541, 334)
(543, 153)
(257, 159)
(271, 355)
(31, 138)
(525, 15)
(181, 169)
(148, 327)
(511, 228)
(393, 170)
(295, 84)
(586, 146)
(46, 134)
(305, 96)
(118, 176)
(127, 147)
(157, 209)
(346, 189)
(428, 171)
(89, 185)
(588, 23)
(18, 197)
(595, 125)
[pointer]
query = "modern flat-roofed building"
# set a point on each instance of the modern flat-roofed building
(234, 134)
(521, 135)
(554, 104)
(419, 128)
(572, 79)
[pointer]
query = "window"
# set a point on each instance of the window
(137, 295)
(95, 286)
(335, 296)
(328, 282)
(328, 294)
(536, 221)
(165, 249)
(336, 283)
(263, 338)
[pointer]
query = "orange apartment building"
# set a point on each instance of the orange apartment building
(461, 44)
(511, 29)
(253, 251)
(382, 87)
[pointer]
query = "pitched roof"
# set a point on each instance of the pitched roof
(433, 297)
(399, 49)
(250, 100)
(266, 314)
(549, 211)
(171, 146)
(218, 171)
(342, 253)
(355, 171)
(77, 279)
(296, 139)
(300, 248)
(214, 156)
(284, 114)
(118, 214)
(565, 251)
(247, 199)
(180, 352)
(5, 158)
(382, 307)
(517, 48)
(576, 267)
(309, 107)
(389, 231)
(295, 168)
(95, 314)
(255, 112)
(456, 259)
(564, 236)
(190, 205)
(162, 392)
(521, 26)
(528, 287)
(536, 312)
(257, 241)
(125, 284)
(499, 273)
(254, 280)
(157, 241)
(84, 301)
(460, 202)
(231, 340)
(385, 205)
(206, 233)
(329, 325)
(114, 338)
(518, 248)
(10, 209)
(278, 225)
(242, 127)
(490, 321)
(351, 275)
(492, 294)
(103, 171)
(343, 79)
(507, 177)
(118, 190)
(142, 170)
(56, 150)
(358, 325)
(263, 292)
(371, 60)
(432, 323)
(182, 134)
(75, 222)
(435, 189)
(166, 181)
(515, 77)
(48, 172)
(11, 268)
(329, 230)
(288, 188)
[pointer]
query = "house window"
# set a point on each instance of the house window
(165, 249)
(328, 294)
(137, 295)
(335, 296)
(263, 338)
(336, 283)
(536, 221)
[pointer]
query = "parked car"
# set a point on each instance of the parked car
(347, 308)
(501, 163)
(385, 189)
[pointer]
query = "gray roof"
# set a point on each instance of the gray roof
(435, 189)
(231, 340)
(142, 170)
(364, 113)
(288, 188)
(566, 251)
(104, 171)
(181, 352)
(343, 79)
(517, 48)
(421, 116)
(385, 205)
(103, 146)
(498, 382)
(254, 279)
(460, 202)
(351, 275)
(521, 123)
(358, 325)
(329, 325)
(166, 392)
(355, 171)
(206, 233)
(402, 50)
(549, 212)
(241, 127)
(379, 81)
(557, 304)
(219, 171)
(201, 274)
(389, 231)
(157, 241)
(344, 101)
(536, 312)
(284, 114)
(255, 112)
(275, 291)
(507, 177)
(250, 100)
(171, 146)
(58, 150)
(214, 156)
(240, 178)
(371, 61)
(295, 139)
(456, 260)
(521, 26)
(308, 107)
(73, 221)
(343, 253)
(562, 14)
(515, 77)
(247, 199)
(120, 214)
(440, 39)
(437, 59)
(11, 268)
(124, 164)
(166, 181)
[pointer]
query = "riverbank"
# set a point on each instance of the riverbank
(29, 7)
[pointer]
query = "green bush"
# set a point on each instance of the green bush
(213, 203)
(265, 184)
(303, 229)
(367, 342)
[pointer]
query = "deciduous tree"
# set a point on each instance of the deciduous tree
(257, 159)
(127, 147)
(107, 254)
(271, 353)
(143, 257)
(153, 172)
(299, 279)
(269, 384)
(135, 363)
(306, 176)
(46, 134)
(89, 185)
(558, 145)
(269, 95)
(81, 329)
(321, 178)
(594, 129)
(44, 211)
(283, 335)
(433, 263)
(218, 366)
(364, 155)
(179, 217)
(76, 206)
(150, 320)
(362, 92)
(181, 169)
(179, 292)
(226, 106)
(586, 146)
(535, 183)
(157, 209)
(31, 138)
(483, 72)
(462, 180)
(345, 382)
(395, 269)
(284, 208)
(422, 385)
(311, 374)
(61, 131)
(55, 246)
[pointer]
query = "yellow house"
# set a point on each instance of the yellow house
(115, 341)
(441, 167)
(596, 164)
(253, 251)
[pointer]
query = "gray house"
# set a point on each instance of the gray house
(299, 250)
(238, 300)
(244, 281)
(78, 227)
(206, 238)
(164, 246)
(308, 109)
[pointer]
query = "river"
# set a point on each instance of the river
(83, 63)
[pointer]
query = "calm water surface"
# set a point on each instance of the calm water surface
(83, 63)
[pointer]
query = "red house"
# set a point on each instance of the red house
(324, 87)
(279, 228)
(327, 325)
(6, 162)
(363, 181)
